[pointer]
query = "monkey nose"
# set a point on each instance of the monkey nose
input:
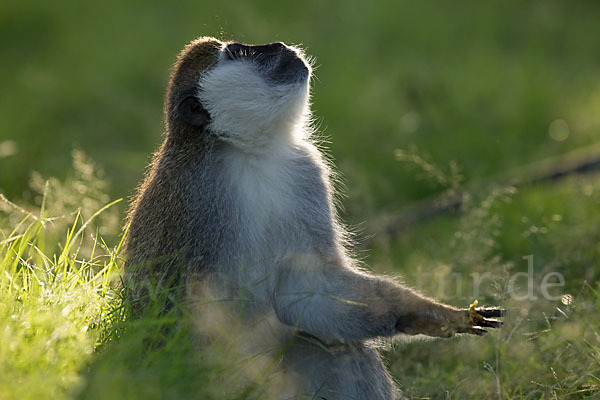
(270, 48)
(236, 50)
(241, 50)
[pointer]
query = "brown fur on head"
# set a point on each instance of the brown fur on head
(195, 59)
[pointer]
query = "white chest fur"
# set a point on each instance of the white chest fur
(263, 186)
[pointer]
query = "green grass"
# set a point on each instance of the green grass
(67, 332)
(417, 97)
(54, 294)
(66, 325)
(547, 348)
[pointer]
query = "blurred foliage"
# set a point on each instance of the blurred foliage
(477, 83)
(417, 98)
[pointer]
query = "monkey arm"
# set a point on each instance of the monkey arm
(333, 302)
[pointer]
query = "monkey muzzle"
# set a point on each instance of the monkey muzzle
(278, 62)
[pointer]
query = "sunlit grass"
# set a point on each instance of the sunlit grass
(67, 332)
(68, 329)
(548, 347)
(56, 295)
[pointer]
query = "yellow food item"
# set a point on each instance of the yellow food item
(475, 318)
(472, 306)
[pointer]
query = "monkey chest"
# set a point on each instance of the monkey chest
(282, 203)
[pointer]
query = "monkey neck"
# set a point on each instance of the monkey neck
(263, 145)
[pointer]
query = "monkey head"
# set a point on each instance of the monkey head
(245, 95)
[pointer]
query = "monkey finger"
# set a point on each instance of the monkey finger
(488, 312)
(472, 330)
(489, 323)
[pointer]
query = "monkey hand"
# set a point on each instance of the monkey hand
(448, 321)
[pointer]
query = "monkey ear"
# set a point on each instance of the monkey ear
(191, 111)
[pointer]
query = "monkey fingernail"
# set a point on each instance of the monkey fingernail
(489, 323)
(488, 312)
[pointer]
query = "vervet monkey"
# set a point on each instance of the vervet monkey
(239, 196)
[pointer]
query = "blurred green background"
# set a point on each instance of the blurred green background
(417, 99)
(478, 83)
